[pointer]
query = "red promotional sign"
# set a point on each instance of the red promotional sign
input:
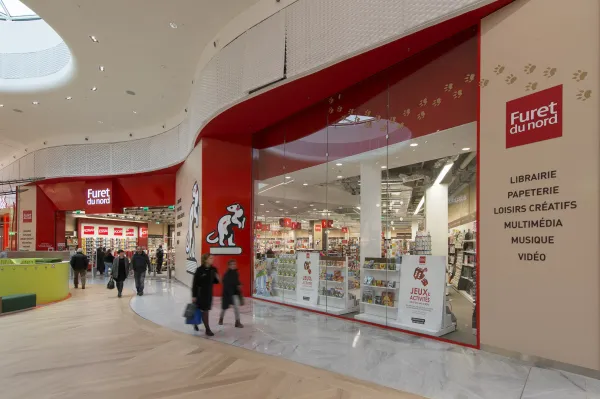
(102, 231)
(265, 227)
(89, 230)
(130, 232)
(296, 226)
(533, 118)
(345, 230)
(27, 216)
(326, 223)
(258, 225)
(317, 227)
(422, 260)
(143, 232)
(118, 232)
(285, 222)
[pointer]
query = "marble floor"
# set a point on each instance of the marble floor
(401, 361)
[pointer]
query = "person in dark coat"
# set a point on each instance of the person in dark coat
(232, 293)
(140, 263)
(159, 259)
(100, 260)
(108, 260)
(120, 270)
(202, 289)
(79, 263)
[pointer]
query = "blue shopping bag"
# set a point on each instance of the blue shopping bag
(196, 319)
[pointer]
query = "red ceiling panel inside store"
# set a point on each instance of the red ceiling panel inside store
(276, 104)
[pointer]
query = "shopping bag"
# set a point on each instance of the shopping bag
(196, 319)
(111, 284)
(189, 311)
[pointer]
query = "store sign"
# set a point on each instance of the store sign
(345, 230)
(102, 231)
(258, 225)
(296, 226)
(130, 232)
(285, 222)
(317, 227)
(27, 216)
(307, 278)
(265, 227)
(533, 118)
(326, 223)
(143, 232)
(118, 232)
(99, 197)
(89, 230)
(422, 293)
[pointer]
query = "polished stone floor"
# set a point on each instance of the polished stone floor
(422, 366)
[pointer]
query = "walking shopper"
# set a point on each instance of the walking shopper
(202, 289)
(108, 260)
(232, 291)
(100, 260)
(140, 264)
(79, 263)
(159, 259)
(120, 270)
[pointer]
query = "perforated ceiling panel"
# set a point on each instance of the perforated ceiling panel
(264, 53)
(34, 65)
(312, 33)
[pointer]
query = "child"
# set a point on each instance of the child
(232, 290)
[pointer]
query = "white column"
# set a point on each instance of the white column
(414, 227)
(370, 211)
(436, 218)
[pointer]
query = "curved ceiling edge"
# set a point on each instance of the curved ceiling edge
(218, 95)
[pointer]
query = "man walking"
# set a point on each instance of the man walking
(79, 263)
(140, 264)
(159, 259)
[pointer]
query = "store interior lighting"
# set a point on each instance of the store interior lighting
(420, 205)
(443, 173)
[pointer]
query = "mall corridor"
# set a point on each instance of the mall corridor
(94, 346)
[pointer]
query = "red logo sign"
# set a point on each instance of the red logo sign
(258, 225)
(102, 231)
(533, 118)
(130, 233)
(89, 230)
(285, 222)
(422, 260)
(98, 197)
(143, 232)
(317, 227)
(27, 216)
(345, 230)
(118, 232)
(265, 227)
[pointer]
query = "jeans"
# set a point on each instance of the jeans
(139, 281)
(236, 308)
(119, 287)
(77, 274)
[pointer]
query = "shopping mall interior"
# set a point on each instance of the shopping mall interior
(337, 199)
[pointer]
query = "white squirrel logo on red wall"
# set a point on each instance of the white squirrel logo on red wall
(224, 234)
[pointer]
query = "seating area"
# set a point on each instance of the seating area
(15, 303)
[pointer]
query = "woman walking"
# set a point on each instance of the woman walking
(202, 289)
(108, 260)
(232, 291)
(120, 270)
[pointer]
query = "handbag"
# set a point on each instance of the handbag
(189, 311)
(111, 284)
(196, 319)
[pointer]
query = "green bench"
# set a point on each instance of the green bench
(13, 303)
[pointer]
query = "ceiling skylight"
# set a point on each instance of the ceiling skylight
(14, 10)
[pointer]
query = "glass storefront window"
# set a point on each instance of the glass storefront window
(364, 203)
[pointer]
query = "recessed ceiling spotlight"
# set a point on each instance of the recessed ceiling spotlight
(288, 177)
(339, 177)
(267, 211)
(1, 105)
(173, 25)
(35, 102)
(401, 202)
(262, 204)
(305, 184)
(101, 68)
(135, 112)
(277, 202)
(466, 149)
(94, 88)
(281, 209)
(93, 38)
(338, 164)
(311, 205)
(295, 207)
(384, 167)
(414, 144)
(68, 98)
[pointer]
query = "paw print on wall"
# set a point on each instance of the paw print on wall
(457, 94)
(529, 68)
(484, 82)
(330, 100)
(584, 95)
(331, 110)
(499, 69)
(339, 108)
(470, 77)
(549, 72)
(368, 112)
(437, 102)
(401, 125)
(579, 75)
(421, 115)
(531, 86)
(448, 88)
(423, 102)
(510, 79)
(406, 112)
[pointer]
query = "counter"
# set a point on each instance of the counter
(48, 280)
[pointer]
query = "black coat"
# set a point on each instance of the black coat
(79, 262)
(140, 262)
(202, 287)
(99, 257)
(231, 282)
(159, 255)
